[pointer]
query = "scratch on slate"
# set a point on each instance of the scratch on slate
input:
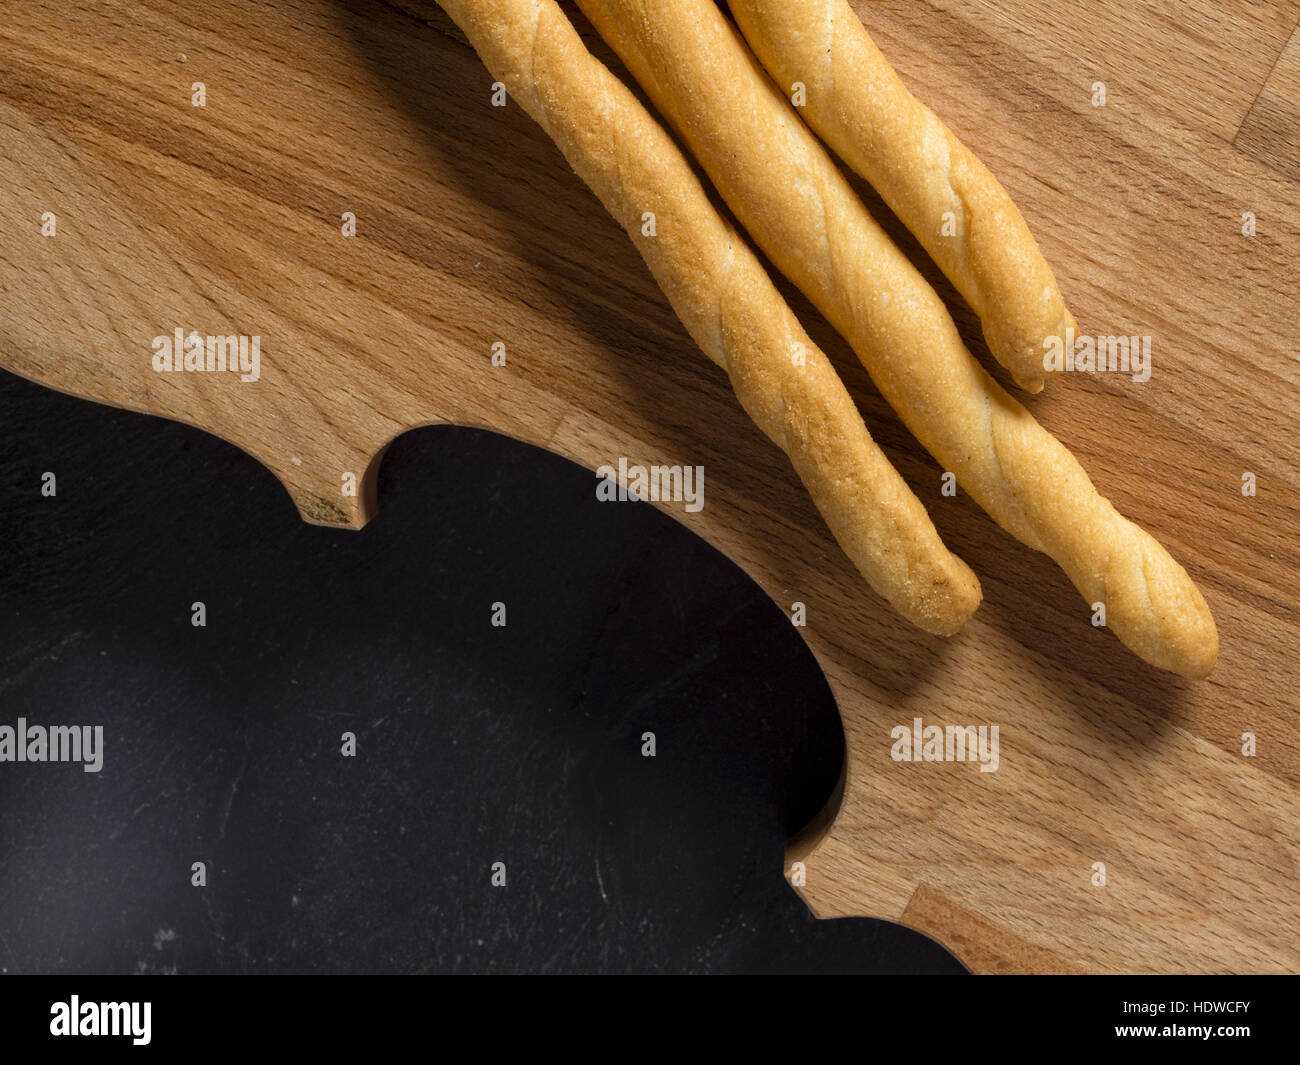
(230, 798)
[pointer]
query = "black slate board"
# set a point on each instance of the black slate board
(475, 744)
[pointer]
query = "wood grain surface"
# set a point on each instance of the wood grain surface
(471, 230)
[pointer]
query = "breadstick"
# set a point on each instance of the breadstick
(789, 194)
(858, 105)
(727, 302)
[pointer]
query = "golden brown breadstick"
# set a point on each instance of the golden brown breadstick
(726, 301)
(789, 194)
(954, 206)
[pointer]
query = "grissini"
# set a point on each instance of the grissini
(790, 196)
(956, 208)
(726, 301)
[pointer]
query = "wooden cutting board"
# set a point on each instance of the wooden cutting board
(471, 231)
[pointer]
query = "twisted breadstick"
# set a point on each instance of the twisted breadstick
(726, 301)
(788, 193)
(949, 200)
